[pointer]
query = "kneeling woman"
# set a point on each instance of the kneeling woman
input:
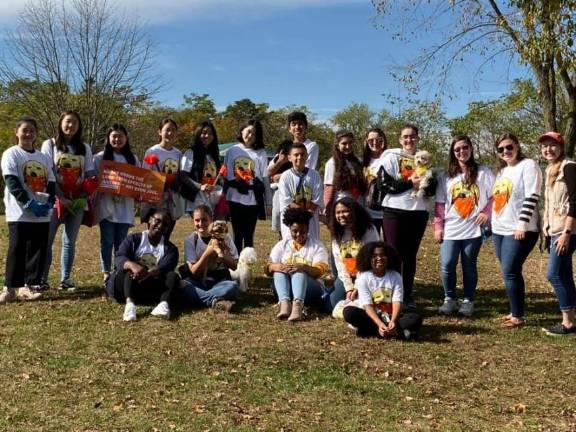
(380, 293)
(145, 266)
(297, 265)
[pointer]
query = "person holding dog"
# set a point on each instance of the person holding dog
(207, 282)
(405, 216)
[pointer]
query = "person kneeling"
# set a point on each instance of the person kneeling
(379, 306)
(145, 264)
(210, 255)
(297, 263)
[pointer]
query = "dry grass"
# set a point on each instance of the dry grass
(69, 363)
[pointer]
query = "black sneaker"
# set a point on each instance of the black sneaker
(43, 286)
(560, 330)
(67, 285)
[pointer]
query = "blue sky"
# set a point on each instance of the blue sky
(324, 54)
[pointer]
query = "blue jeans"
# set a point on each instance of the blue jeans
(71, 227)
(512, 254)
(560, 274)
(337, 294)
(196, 294)
(111, 236)
(298, 286)
(450, 251)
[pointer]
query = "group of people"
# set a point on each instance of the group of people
(376, 208)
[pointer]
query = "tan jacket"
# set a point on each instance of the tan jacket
(556, 203)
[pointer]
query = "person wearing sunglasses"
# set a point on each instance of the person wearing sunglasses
(558, 224)
(514, 220)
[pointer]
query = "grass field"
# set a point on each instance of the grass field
(69, 363)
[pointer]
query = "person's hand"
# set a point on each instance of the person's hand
(416, 179)
(519, 235)
(66, 203)
(276, 178)
(561, 243)
(382, 329)
(391, 328)
(481, 219)
(151, 273)
(39, 209)
(282, 158)
(210, 250)
(207, 188)
(438, 235)
(352, 295)
(138, 271)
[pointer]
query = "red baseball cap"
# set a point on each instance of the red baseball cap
(554, 136)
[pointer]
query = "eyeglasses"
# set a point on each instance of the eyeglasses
(508, 147)
(461, 149)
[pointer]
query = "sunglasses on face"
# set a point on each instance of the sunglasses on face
(508, 147)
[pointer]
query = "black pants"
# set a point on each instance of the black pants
(368, 328)
(27, 249)
(403, 230)
(149, 291)
(244, 220)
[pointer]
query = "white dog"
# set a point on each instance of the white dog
(243, 273)
(422, 169)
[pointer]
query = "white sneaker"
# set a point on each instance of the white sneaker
(449, 307)
(466, 308)
(129, 312)
(162, 310)
(7, 295)
(25, 293)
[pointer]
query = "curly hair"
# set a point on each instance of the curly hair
(364, 256)
(344, 178)
(296, 215)
(361, 220)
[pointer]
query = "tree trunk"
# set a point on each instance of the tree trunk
(542, 73)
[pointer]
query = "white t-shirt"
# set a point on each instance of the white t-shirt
(516, 192)
(312, 253)
(169, 164)
(208, 177)
(147, 254)
(463, 203)
(194, 248)
(370, 173)
(114, 208)
(329, 179)
(311, 191)
(313, 152)
(69, 168)
(379, 291)
(247, 164)
(345, 254)
(35, 171)
(400, 166)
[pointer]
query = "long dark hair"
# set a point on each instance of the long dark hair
(367, 153)
(454, 166)
(199, 151)
(508, 136)
(75, 142)
(361, 220)
(344, 180)
(258, 134)
(124, 151)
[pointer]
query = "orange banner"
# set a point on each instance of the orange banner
(130, 181)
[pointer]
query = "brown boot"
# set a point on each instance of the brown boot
(297, 311)
(285, 309)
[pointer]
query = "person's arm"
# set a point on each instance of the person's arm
(532, 179)
(89, 168)
(313, 154)
(275, 165)
(125, 259)
(343, 274)
(170, 259)
(16, 189)
(563, 240)
(197, 267)
(439, 209)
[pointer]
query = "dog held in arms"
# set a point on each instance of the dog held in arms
(243, 274)
(422, 161)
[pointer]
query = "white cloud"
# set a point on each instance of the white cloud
(158, 11)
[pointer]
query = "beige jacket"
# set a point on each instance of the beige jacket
(556, 203)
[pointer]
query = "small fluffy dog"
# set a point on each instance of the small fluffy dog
(243, 273)
(218, 231)
(422, 161)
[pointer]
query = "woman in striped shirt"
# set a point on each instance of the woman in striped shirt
(515, 219)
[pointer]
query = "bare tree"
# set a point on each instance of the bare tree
(537, 33)
(77, 54)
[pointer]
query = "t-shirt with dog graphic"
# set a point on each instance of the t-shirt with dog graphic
(70, 168)
(208, 178)
(147, 254)
(244, 163)
(400, 166)
(34, 171)
(312, 253)
(380, 291)
(310, 191)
